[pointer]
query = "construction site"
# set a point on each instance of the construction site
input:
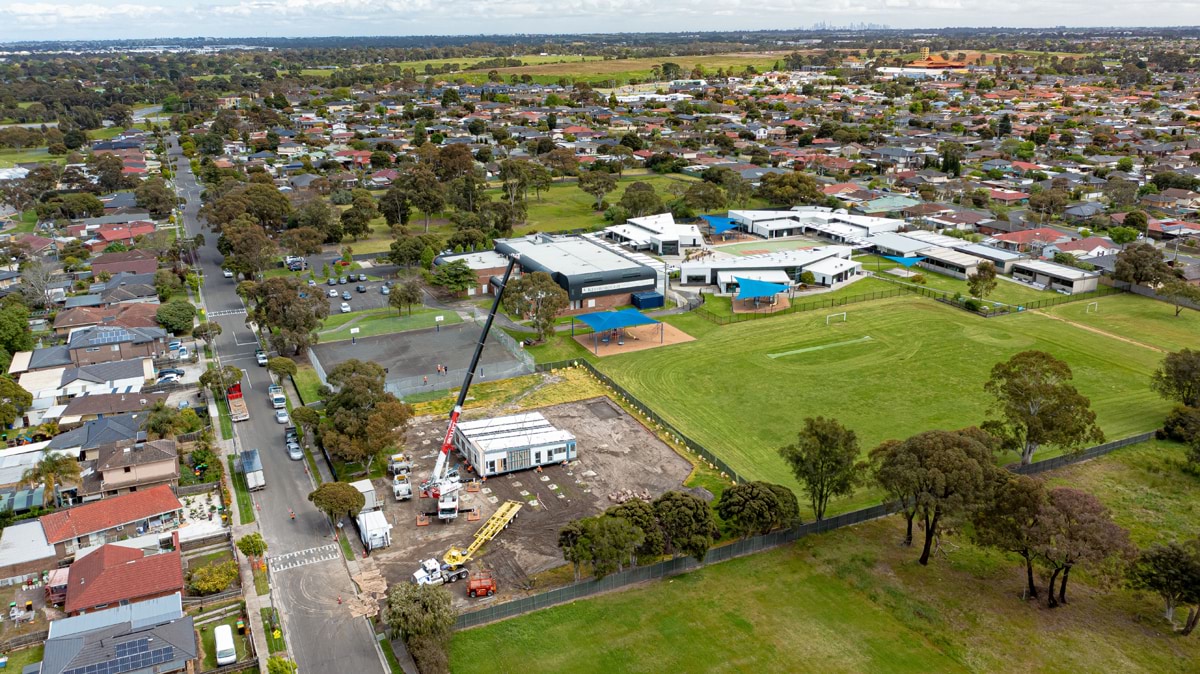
(507, 525)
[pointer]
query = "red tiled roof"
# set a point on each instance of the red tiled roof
(114, 573)
(104, 515)
(1043, 234)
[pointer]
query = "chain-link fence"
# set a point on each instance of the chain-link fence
(519, 364)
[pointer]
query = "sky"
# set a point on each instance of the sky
(117, 19)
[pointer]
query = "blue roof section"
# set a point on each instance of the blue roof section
(749, 288)
(719, 224)
(612, 320)
(906, 262)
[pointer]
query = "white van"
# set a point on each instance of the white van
(226, 652)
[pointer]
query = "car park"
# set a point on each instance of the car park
(346, 295)
(345, 307)
(361, 288)
(332, 281)
(333, 292)
(362, 277)
(281, 416)
(343, 281)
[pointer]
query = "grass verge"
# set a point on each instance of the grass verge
(270, 624)
(242, 494)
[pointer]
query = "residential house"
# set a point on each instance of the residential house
(85, 440)
(123, 233)
(1092, 246)
(114, 575)
(146, 637)
(1029, 240)
(24, 550)
(102, 344)
(100, 405)
(131, 261)
(139, 315)
(130, 466)
(125, 288)
(97, 523)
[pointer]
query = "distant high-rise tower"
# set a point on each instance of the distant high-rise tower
(924, 53)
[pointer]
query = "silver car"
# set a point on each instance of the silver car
(294, 451)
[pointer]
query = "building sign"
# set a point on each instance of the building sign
(624, 285)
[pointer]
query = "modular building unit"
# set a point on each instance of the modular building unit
(505, 444)
(374, 530)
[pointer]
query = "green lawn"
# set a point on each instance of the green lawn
(1137, 318)
(1008, 292)
(244, 501)
(17, 660)
(208, 640)
(307, 382)
(923, 367)
(722, 305)
(10, 158)
(383, 321)
(855, 601)
(565, 207)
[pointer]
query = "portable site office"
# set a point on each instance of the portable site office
(506, 444)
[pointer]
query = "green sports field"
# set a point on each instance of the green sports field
(1136, 318)
(895, 368)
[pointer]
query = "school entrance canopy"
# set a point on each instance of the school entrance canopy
(719, 224)
(753, 289)
(604, 323)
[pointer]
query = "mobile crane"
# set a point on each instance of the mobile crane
(453, 565)
(443, 484)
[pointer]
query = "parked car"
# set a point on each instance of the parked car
(343, 281)
(332, 281)
(384, 290)
(168, 379)
(174, 345)
(260, 357)
(281, 416)
(312, 282)
(183, 353)
(362, 277)
(361, 288)
(170, 370)
(346, 295)
(227, 273)
(345, 307)
(333, 292)
(294, 451)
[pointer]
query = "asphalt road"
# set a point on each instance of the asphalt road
(308, 573)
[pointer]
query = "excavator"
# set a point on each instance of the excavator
(443, 483)
(453, 565)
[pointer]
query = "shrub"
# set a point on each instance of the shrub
(176, 316)
(1182, 425)
(972, 305)
(213, 578)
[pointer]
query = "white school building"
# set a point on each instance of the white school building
(505, 444)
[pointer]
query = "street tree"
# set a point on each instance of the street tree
(983, 281)
(536, 295)
(1171, 570)
(1141, 264)
(219, 379)
(948, 472)
(53, 471)
(454, 276)
(302, 241)
(686, 523)
(598, 184)
(414, 611)
(1008, 520)
(337, 500)
(306, 418)
(251, 251)
(1178, 377)
(824, 460)
(292, 320)
(640, 514)
(277, 664)
(154, 196)
(252, 545)
(207, 331)
(789, 189)
(1180, 293)
(1076, 529)
(748, 509)
(1037, 405)
(281, 366)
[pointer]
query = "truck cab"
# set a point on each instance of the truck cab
(398, 464)
(434, 573)
(278, 399)
(401, 487)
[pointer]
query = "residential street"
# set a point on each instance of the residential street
(322, 635)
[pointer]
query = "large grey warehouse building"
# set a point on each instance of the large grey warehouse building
(597, 276)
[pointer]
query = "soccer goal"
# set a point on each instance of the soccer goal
(832, 316)
(1092, 308)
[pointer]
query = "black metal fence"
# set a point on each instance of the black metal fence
(798, 307)
(1056, 462)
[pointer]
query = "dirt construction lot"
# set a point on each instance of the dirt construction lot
(616, 453)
